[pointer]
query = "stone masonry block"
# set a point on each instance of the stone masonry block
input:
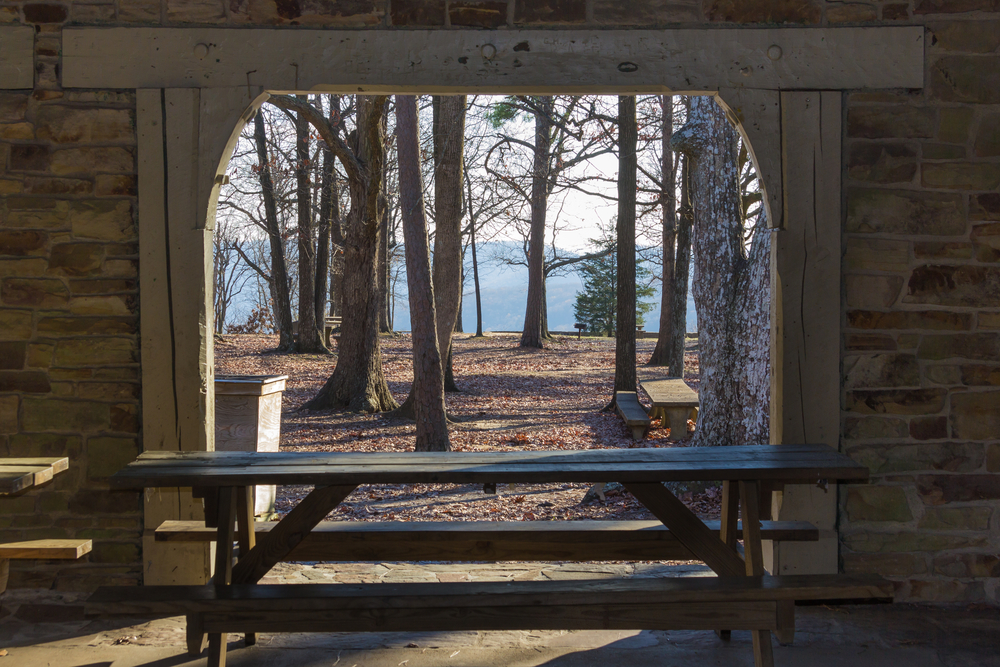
(68, 125)
(942, 250)
(15, 324)
(33, 292)
(865, 291)
(74, 326)
(869, 342)
(871, 542)
(43, 12)
(968, 565)
(417, 13)
(938, 320)
(888, 565)
(988, 136)
(107, 159)
(960, 176)
(550, 11)
(882, 163)
(974, 79)
(976, 346)
(873, 254)
(896, 401)
(102, 220)
(955, 124)
(976, 415)
(13, 105)
(22, 243)
(875, 428)
(936, 151)
(95, 351)
(955, 518)
(764, 11)
(985, 207)
(950, 285)
(139, 11)
(941, 489)
(76, 259)
(55, 415)
(650, 13)
(8, 414)
(980, 375)
(993, 458)
(27, 382)
(905, 212)
(881, 371)
(929, 428)
(986, 242)
(13, 355)
(951, 6)
(108, 455)
(877, 503)
(901, 121)
(195, 11)
(486, 14)
(943, 374)
(308, 12)
(851, 13)
(943, 456)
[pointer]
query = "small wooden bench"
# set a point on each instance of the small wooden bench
(632, 413)
(674, 403)
(330, 324)
(350, 541)
(696, 603)
(40, 550)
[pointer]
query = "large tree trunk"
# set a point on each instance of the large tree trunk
(732, 369)
(358, 382)
(665, 339)
(532, 334)
(625, 377)
(279, 271)
(682, 274)
(428, 372)
(310, 338)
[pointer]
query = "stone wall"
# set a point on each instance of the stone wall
(921, 327)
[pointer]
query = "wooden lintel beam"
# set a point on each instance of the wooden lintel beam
(701, 60)
(17, 57)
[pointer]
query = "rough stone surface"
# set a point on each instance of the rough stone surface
(905, 212)
(974, 79)
(877, 503)
(882, 370)
(877, 254)
(940, 489)
(976, 415)
(956, 518)
(951, 285)
(946, 456)
(891, 122)
(550, 11)
(872, 291)
(910, 319)
(764, 11)
(655, 12)
(896, 401)
(478, 14)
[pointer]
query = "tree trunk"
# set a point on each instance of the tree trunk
(461, 295)
(665, 339)
(310, 338)
(682, 274)
(326, 204)
(358, 382)
(625, 376)
(428, 373)
(532, 334)
(475, 281)
(383, 255)
(732, 369)
(279, 270)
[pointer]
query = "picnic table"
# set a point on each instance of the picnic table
(742, 597)
(19, 476)
(674, 402)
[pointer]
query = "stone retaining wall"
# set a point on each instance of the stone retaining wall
(921, 293)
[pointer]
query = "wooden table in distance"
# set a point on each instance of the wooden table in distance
(741, 597)
(18, 476)
(674, 402)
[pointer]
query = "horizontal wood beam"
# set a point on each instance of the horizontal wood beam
(17, 53)
(508, 61)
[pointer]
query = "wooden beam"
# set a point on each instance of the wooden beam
(508, 61)
(17, 57)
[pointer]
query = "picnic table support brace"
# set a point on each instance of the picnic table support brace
(727, 532)
(223, 567)
(247, 535)
(763, 655)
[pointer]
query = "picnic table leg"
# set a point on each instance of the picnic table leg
(247, 537)
(763, 654)
(730, 517)
(223, 567)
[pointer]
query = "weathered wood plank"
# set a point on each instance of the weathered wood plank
(763, 655)
(15, 478)
(173, 600)
(519, 61)
(62, 549)
(17, 57)
(688, 528)
(275, 545)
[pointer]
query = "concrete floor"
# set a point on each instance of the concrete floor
(48, 628)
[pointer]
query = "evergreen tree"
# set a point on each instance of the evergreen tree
(596, 305)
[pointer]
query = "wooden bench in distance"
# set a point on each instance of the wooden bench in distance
(696, 603)
(40, 550)
(674, 402)
(632, 413)
(487, 540)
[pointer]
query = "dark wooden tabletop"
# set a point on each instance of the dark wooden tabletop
(799, 463)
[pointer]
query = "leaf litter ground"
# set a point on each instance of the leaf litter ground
(511, 400)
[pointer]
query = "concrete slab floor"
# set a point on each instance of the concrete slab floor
(855, 636)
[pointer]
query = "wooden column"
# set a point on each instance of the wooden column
(805, 317)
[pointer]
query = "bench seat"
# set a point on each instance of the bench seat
(488, 540)
(695, 603)
(46, 549)
(632, 413)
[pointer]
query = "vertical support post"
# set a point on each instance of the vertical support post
(806, 311)
(763, 654)
(730, 518)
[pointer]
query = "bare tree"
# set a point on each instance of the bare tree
(358, 381)
(230, 273)
(625, 375)
(428, 373)
(730, 284)
(310, 338)
(663, 352)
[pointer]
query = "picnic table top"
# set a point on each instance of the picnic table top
(20, 474)
(670, 391)
(801, 463)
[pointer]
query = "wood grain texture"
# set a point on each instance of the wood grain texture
(763, 654)
(274, 546)
(65, 549)
(173, 600)
(790, 462)
(564, 61)
(17, 57)
(350, 541)
(670, 392)
(688, 528)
